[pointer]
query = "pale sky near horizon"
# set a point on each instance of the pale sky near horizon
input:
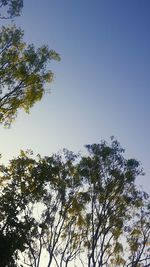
(102, 84)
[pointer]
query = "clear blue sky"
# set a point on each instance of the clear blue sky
(102, 84)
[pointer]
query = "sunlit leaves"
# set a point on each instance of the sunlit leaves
(23, 73)
(70, 207)
(109, 180)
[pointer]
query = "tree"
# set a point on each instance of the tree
(10, 8)
(138, 236)
(23, 73)
(114, 202)
(73, 208)
(43, 184)
(23, 69)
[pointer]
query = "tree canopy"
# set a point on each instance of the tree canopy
(10, 8)
(71, 208)
(23, 73)
(24, 70)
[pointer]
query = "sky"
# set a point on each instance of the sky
(102, 84)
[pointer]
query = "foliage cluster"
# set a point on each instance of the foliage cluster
(23, 68)
(74, 208)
